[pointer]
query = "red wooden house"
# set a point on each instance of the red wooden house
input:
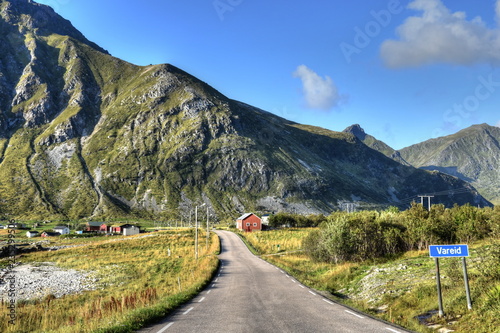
(116, 228)
(249, 222)
(96, 227)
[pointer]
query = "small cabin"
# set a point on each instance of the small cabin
(50, 234)
(31, 234)
(249, 222)
(62, 230)
(130, 230)
(96, 227)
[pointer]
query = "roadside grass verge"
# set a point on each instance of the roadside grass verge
(401, 290)
(138, 282)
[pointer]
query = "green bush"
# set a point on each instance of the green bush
(355, 237)
(369, 234)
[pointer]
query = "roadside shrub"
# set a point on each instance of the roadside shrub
(471, 223)
(354, 237)
(367, 235)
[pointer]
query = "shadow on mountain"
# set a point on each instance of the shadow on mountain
(452, 171)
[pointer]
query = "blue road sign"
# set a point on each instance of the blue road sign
(443, 251)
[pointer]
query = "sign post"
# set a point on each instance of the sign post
(446, 251)
(466, 280)
(438, 281)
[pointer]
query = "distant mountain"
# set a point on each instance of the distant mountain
(473, 154)
(84, 134)
(373, 143)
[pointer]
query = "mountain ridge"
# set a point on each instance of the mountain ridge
(87, 135)
(376, 144)
(472, 154)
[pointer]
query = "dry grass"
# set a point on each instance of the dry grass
(137, 280)
(266, 242)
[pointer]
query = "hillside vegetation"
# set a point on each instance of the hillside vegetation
(84, 134)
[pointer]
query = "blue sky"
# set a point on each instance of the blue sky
(406, 71)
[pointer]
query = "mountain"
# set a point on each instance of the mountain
(473, 154)
(373, 143)
(84, 134)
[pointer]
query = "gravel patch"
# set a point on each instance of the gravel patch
(35, 281)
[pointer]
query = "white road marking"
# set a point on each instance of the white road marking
(312, 293)
(165, 328)
(301, 286)
(354, 314)
(328, 301)
(293, 281)
(216, 280)
(201, 300)
(213, 285)
(208, 292)
(390, 329)
(185, 313)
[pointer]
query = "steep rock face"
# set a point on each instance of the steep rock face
(472, 154)
(85, 134)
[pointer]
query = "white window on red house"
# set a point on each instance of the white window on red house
(255, 224)
(248, 224)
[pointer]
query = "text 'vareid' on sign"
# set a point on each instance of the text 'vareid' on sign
(449, 250)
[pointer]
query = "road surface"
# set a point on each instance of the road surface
(251, 295)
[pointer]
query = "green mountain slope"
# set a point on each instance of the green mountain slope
(84, 134)
(472, 154)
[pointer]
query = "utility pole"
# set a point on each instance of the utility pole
(348, 207)
(196, 231)
(208, 229)
(428, 197)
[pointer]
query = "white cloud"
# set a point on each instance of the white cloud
(320, 93)
(440, 36)
(497, 11)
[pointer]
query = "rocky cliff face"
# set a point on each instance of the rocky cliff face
(85, 134)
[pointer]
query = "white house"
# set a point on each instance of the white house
(130, 230)
(63, 230)
(31, 234)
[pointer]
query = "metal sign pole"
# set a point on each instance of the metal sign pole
(438, 280)
(466, 280)
(446, 251)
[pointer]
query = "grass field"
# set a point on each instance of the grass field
(400, 290)
(138, 282)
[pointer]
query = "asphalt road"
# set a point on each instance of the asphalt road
(251, 295)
